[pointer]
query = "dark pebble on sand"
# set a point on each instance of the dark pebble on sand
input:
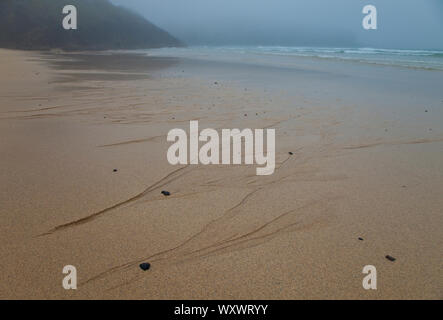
(166, 193)
(291, 153)
(115, 170)
(390, 258)
(426, 110)
(215, 82)
(145, 266)
(361, 239)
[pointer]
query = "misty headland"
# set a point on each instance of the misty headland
(37, 25)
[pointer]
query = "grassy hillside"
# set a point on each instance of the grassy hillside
(37, 25)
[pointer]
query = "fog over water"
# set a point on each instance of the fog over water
(407, 24)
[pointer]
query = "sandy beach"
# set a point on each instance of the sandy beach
(83, 163)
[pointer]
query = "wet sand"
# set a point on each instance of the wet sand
(367, 162)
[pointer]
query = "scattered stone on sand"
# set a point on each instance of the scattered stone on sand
(145, 266)
(291, 153)
(166, 193)
(115, 170)
(360, 238)
(390, 258)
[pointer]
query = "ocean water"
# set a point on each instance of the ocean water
(284, 56)
(378, 83)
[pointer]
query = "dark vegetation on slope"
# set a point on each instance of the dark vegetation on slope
(37, 25)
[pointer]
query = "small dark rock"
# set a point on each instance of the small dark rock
(404, 186)
(115, 170)
(291, 153)
(361, 239)
(426, 110)
(215, 82)
(390, 258)
(246, 115)
(145, 266)
(166, 193)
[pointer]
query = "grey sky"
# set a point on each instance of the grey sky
(414, 24)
